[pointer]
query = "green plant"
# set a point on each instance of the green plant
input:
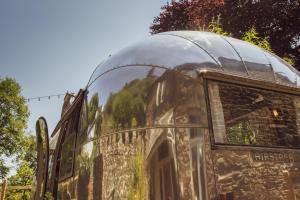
(241, 133)
(289, 60)
(137, 190)
(216, 27)
(23, 177)
(252, 36)
(13, 120)
(48, 196)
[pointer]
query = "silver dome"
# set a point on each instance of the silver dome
(197, 51)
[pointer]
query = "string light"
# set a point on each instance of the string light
(48, 96)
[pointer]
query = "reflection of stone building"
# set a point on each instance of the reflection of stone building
(118, 152)
(162, 155)
(168, 120)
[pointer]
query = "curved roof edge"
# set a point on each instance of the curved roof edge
(194, 50)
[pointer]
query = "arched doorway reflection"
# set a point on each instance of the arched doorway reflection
(162, 173)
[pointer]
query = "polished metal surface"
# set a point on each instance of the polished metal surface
(257, 117)
(189, 51)
(147, 126)
(152, 163)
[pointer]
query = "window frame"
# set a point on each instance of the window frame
(71, 132)
(68, 174)
(243, 82)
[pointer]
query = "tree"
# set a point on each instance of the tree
(23, 177)
(185, 15)
(26, 159)
(174, 16)
(250, 36)
(3, 169)
(13, 119)
(278, 21)
(202, 12)
(28, 151)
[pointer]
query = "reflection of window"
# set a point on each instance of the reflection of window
(68, 147)
(83, 123)
(165, 173)
(162, 180)
(250, 116)
(66, 166)
(197, 165)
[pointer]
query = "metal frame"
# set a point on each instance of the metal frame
(241, 81)
(248, 81)
(75, 108)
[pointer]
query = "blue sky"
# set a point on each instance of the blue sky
(51, 47)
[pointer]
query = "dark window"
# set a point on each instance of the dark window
(67, 157)
(257, 117)
(68, 147)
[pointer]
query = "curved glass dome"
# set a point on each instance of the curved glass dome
(194, 51)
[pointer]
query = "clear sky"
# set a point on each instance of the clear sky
(52, 46)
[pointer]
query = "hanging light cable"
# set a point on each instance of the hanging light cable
(48, 96)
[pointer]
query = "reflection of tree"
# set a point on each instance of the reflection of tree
(94, 113)
(93, 107)
(126, 108)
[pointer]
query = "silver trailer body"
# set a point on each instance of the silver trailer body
(182, 115)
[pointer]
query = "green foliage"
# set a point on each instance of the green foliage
(252, 36)
(23, 177)
(13, 119)
(126, 108)
(174, 16)
(289, 60)
(122, 108)
(276, 20)
(185, 15)
(216, 27)
(48, 196)
(3, 169)
(28, 151)
(137, 187)
(93, 107)
(241, 133)
(94, 113)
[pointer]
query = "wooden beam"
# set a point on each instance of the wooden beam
(22, 187)
(3, 190)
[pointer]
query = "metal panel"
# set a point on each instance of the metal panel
(218, 48)
(159, 50)
(188, 51)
